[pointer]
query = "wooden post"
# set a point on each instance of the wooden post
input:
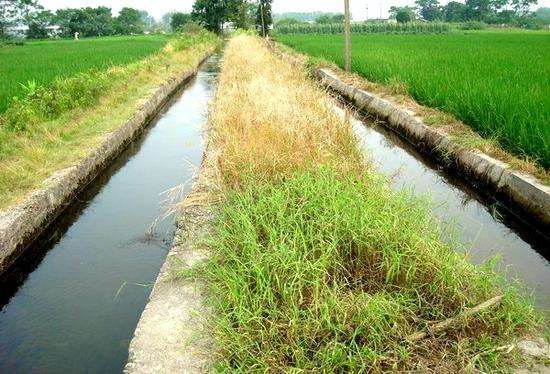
(347, 37)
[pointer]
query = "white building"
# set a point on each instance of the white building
(20, 31)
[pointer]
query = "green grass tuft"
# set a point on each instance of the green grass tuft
(321, 271)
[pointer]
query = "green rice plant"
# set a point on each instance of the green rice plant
(495, 82)
(366, 28)
(47, 60)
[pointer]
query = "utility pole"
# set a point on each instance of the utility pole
(347, 37)
(264, 34)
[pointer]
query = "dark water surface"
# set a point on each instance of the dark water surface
(72, 303)
(483, 227)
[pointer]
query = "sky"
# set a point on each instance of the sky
(159, 7)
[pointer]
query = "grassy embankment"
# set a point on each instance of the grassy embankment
(52, 126)
(495, 82)
(316, 263)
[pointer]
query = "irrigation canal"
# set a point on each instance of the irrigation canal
(478, 223)
(72, 302)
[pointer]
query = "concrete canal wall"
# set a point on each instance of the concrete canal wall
(522, 190)
(172, 335)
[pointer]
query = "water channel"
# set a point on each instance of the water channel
(72, 303)
(478, 223)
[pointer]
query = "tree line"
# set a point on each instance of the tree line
(243, 14)
(99, 21)
(510, 12)
(84, 21)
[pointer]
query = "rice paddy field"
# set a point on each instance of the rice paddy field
(43, 61)
(497, 82)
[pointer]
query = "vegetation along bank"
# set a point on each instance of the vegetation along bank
(315, 262)
(56, 139)
(40, 63)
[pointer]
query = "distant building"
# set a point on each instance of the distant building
(20, 31)
(228, 27)
(54, 31)
(17, 32)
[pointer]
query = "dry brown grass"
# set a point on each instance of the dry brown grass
(275, 122)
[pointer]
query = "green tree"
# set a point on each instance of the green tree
(338, 18)
(86, 21)
(264, 16)
(129, 21)
(166, 21)
(430, 10)
(523, 7)
(99, 21)
(241, 13)
(13, 12)
(543, 14)
(178, 20)
(480, 10)
(210, 13)
(324, 19)
(149, 22)
(455, 12)
(403, 14)
(287, 21)
(38, 22)
(70, 21)
(507, 16)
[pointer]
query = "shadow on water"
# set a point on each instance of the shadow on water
(71, 303)
(481, 225)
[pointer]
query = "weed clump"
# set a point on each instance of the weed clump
(42, 103)
(335, 272)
